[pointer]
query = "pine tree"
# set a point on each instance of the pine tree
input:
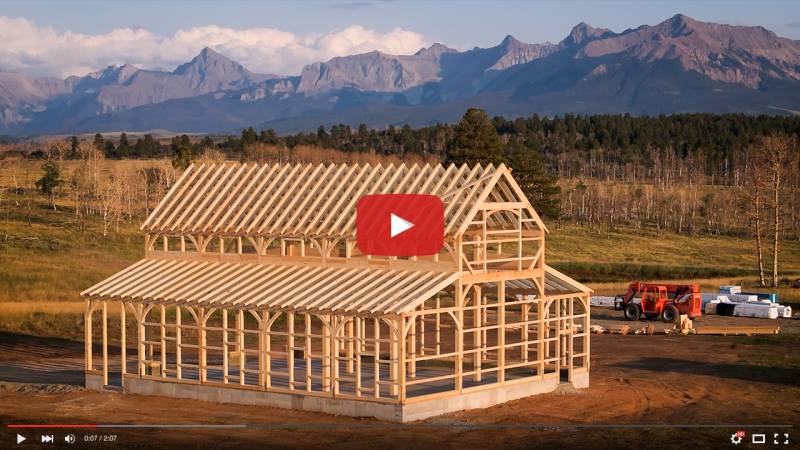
(531, 174)
(124, 147)
(50, 180)
(476, 140)
(73, 147)
(181, 152)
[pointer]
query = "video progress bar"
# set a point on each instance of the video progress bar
(433, 426)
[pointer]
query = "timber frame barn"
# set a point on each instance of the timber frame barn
(252, 290)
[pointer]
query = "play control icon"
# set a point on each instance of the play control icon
(20, 439)
(400, 224)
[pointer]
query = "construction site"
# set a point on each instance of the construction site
(253, 291)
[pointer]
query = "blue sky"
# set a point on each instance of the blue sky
(312, 26)
(457, 23)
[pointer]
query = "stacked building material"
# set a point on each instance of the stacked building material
(602, 301)
(730, 301)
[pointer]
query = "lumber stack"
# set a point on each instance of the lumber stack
(737, 330)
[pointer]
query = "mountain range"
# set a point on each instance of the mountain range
(678, 65)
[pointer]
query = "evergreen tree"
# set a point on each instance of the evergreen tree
(476, 140)
(51, 178)
(124, 147)
(99, 142)
(73, 147)
(530, 172)
(322, 136)
(269, 136)
(249, 136)
(181, 152)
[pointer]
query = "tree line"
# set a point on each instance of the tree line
(685, 173)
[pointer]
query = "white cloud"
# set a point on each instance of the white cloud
(44, 51)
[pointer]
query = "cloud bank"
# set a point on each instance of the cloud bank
(44, 51)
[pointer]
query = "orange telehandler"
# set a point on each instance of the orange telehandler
(667, 301)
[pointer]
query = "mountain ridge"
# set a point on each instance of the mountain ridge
(677, 65)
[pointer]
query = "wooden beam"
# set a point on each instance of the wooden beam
(105, 343)
(123, 344)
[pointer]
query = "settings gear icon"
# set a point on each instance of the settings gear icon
(736, 439)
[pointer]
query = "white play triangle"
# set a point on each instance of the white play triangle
(399, 225)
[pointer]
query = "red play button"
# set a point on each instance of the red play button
(400, 225)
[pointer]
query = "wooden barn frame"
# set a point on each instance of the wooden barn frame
(252, 290)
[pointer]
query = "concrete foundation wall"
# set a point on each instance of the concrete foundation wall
(339, 406)
(346, 407)
(93, 382)
(476, 399)
(580, 379)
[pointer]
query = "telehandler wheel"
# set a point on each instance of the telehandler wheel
(632, 311)
(670, 314)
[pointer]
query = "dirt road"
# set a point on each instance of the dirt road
(635, 380)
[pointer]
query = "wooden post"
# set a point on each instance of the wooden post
(459, 335)
(335, 348)
(224, 343)
(412, 348)
(524, 331)
(350, 343)
(422, 330)
(262, 348)
(540, 352)
(570, 343)
(122, 345)
(438, 326)
(401, 366)
(477, 314)
(376, 334)
(393, 358)
(240, 345)
(359, 327)
(87, 326)
(501, 331)
(163, 341)
(267, 350)
(105, 342)
(141, 337)
(290, 348)
(202, 345)
(178, 344)
(307, 351)
(326, 353)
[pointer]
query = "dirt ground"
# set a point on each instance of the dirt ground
(641, 387)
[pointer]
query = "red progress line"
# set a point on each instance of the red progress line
(62, 425)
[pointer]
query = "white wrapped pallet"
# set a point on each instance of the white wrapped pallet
(756, 310)
(711, 307)
(707, 297)
(784, 311)
(602, 301)
(729, 289)
(741, 298)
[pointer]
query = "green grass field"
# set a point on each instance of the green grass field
(47, 261)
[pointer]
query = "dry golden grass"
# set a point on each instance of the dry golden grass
(21, 309)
